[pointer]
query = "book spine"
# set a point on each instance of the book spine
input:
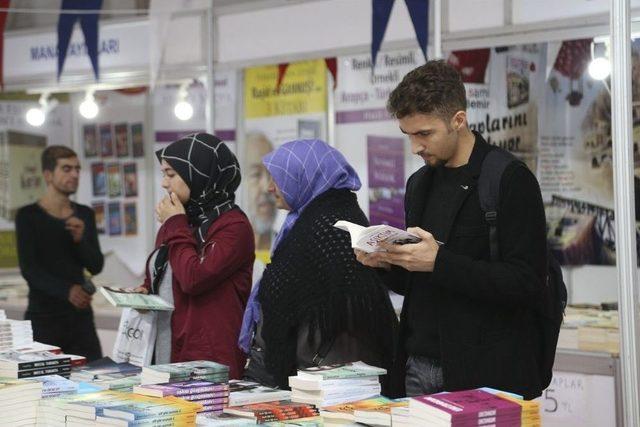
(60, 370)
(42, 364)
(200, 390)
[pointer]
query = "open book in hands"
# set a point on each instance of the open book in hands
(127, 297)
(367, 239)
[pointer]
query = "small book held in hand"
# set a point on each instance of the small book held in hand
(125, 297)
(367, 239)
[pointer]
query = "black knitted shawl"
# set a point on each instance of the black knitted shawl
(315, 279)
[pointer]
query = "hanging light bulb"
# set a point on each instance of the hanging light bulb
(88, 108)
(599, 68)
(183, 108)
(35, 116)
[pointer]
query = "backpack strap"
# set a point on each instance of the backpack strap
(493, 166)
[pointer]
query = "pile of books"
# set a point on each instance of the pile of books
(19, 401)
(262, 413)
(375, 411)
(213, 397)
(246, 392)
(530, 410)
(201, 370)
(15, 364)
(105, 374)
(465, 408)
(333, 385)
(590, 328)
(109, 408)
(55, 386)
(15, 333)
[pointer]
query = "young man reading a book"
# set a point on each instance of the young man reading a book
(467, 321)
(57, 240)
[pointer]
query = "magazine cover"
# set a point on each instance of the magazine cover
(130, 219)
(115, 219)
(121, 131)
(98, 179)
(115, 179)
(130, 179)
(137, 138)
(90, 139)
(98, 209)
(106, 140)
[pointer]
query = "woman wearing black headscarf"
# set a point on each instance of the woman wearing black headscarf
(204, 254)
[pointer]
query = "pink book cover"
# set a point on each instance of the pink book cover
(469, 403)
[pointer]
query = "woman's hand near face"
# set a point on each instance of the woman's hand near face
(169, 206)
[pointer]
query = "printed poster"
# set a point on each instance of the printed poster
(368, 137)
(272, 117)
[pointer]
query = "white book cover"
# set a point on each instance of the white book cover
(368, 239)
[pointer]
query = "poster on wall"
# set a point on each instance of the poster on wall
(113, 178)
(169, 128)
(576, 173)
(368, 137)
(298, 110)
(21, 180)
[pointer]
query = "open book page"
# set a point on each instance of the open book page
(367, 239)
(124, 297)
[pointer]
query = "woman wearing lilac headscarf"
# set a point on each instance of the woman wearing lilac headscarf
(315, 304)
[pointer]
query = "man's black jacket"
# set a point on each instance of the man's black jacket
(487, 326)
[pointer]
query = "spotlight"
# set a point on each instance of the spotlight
(88, 108)
(36, 116)
(599, 68)
(183, 109)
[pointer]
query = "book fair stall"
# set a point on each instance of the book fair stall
(134, 76)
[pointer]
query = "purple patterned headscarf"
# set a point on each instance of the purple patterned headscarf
(302, 170)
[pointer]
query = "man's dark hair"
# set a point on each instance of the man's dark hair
(433, 88)
(51, 155)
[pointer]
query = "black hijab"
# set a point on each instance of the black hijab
(212, 173)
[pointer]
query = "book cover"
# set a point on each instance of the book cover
(122, 139)
(137, 138)
(130, 219)
(90, 140)
(125, 297)
(115, 219)
(114, 179)
(151, 409)
(130, 179)
(98, 210)
(245, 392)
(184, 388)
(106, 140)
(197, 367)
(342, 371)
(368, 239)
(460, 405)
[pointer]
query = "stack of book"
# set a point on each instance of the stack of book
(19, 401)
(15, 333)
(115, 408)
(333, 385)
(374, 411)
(464, 408)
(14, 364)
(201, 370)
(55, 385)
(400, 417)
(105, 374)
(212, 396)
(262, 413)
(530, 410)
(246, 392)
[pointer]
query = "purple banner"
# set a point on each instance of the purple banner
(173, 135)
(385, 160)
(361, 116)
(227, 135)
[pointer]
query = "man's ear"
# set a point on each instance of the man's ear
(48, 176)
(459, 120)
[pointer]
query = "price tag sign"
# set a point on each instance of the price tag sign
(578, 400)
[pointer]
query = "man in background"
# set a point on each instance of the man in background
(57, 240)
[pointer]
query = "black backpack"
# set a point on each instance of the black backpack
(551, 311)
